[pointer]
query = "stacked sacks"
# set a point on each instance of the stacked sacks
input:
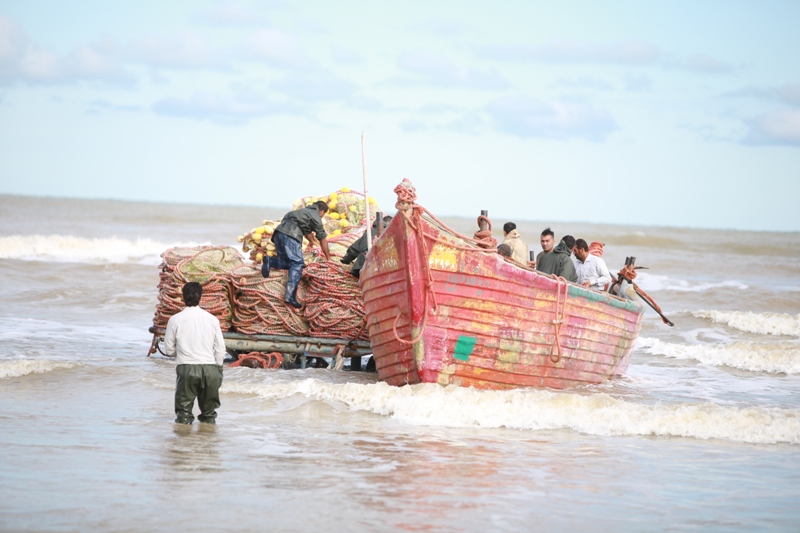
(258, 241)
(334, 307)
(346, 211)
(258, 304)
(207, 265)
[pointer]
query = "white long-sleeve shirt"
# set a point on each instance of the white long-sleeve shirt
(593, 270)
(195, 338)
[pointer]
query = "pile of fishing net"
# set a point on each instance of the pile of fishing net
(344, 222)
(334, 307)
(258, 304)
(208, 265)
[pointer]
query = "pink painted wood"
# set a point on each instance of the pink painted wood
(441, 310)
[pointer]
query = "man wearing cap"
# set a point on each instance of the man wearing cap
(288, 239)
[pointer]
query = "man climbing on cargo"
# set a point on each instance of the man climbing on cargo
(194, 338)
(358, 250)
(288, 240)
(559, 261)
(511, 237)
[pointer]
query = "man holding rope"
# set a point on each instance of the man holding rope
(288, 239)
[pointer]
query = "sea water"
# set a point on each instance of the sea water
(703, 433)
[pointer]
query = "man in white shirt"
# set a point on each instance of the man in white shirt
(592, 271)
(194, 337)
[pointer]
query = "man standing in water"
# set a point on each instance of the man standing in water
(194, 337)
(288, 239)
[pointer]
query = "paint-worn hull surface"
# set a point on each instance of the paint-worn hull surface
(441, 310)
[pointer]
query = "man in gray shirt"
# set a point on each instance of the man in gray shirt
(194, 337)
(288, 239)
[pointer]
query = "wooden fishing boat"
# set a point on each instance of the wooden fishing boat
(442, 309)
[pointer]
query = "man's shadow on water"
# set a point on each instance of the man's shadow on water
(193, 448)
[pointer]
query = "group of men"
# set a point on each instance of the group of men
(584, 268)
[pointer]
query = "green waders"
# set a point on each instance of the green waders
(201, 382)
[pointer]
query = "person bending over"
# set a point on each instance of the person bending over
(288, 239)
(358, 250)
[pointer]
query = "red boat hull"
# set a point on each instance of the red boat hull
(440, 310)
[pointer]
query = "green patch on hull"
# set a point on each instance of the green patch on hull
(464, 347)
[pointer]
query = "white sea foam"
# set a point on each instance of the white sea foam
(656, 282)
(69, 249)
(16, 329)
(23, 367)
(530, 409)
(769, 357)
(764, 323)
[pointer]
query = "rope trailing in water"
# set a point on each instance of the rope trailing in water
(259, 360)
(334, 307)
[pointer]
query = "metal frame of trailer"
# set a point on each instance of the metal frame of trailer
(236, 343)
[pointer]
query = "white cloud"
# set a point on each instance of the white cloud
(346, 56)
(276, 48)
(184, 50)
(788, 93)
(524, 116)
(435, 69)
(781, 128)
(708, 65)
(638, 83)
(233, 14)
(631, 53)
(316, 86)
(585, 82)
(236, 108)
(634, 52)
(21, 60)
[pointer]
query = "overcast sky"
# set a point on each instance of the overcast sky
(679, 113)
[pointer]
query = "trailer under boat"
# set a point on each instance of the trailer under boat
(290, 348)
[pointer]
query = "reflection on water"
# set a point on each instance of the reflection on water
(193, 449)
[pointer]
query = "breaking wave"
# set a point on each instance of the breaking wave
(23, 367)
(656, 282)
(764, 323)
(772, 357)
(528, 409)
(69, 249)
